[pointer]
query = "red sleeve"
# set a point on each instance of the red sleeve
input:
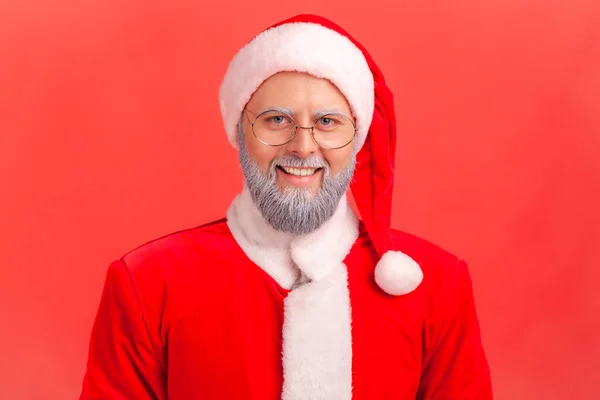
(121, 361)
(454, 364)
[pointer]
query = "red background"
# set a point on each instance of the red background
(110, 135)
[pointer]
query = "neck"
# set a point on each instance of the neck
(285, 257)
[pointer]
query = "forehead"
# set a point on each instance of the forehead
(297, 90)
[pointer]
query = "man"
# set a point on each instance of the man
(291, 296)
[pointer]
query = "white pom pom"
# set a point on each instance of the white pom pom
(397, 274)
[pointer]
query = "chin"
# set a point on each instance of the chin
(312, 191)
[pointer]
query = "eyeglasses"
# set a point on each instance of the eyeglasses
(277, 128)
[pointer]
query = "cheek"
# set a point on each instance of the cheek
(261, 154)
(338, 159)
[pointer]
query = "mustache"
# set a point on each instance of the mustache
(289, 160)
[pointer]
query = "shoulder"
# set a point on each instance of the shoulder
(421, 249)
(438, 264)
(435, 261)
(188, 244)
(159, 281)
(444, 273)
(446, 288)
(173, 259)
(167, 273)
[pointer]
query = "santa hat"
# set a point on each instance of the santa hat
(317, 46)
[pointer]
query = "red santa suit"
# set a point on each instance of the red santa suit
(237, 310)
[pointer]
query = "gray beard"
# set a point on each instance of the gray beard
(297, 211)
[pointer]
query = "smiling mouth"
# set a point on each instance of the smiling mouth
(298, 171)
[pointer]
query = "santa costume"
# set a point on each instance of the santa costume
(216, 312)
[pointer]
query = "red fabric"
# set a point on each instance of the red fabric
(189, 316)
(373, 182)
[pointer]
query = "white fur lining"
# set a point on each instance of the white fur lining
(266, 247)
(284, 256)
(317, 334)
(317, 340)
(302, 47)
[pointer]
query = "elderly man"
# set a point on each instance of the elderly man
(292, 296)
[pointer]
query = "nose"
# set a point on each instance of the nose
(303, 144)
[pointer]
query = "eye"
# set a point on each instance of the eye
(327, 122)
(274, 121)
(277, 119)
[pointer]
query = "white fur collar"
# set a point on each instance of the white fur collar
(317, 333)
(283, 256)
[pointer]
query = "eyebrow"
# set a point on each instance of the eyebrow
(316, 115)
(283, 110)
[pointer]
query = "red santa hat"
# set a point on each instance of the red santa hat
(317, 46)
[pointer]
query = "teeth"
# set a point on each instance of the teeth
(299, 171)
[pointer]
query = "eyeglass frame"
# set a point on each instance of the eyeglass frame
(293, 134)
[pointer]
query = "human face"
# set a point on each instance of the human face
(306, 97)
